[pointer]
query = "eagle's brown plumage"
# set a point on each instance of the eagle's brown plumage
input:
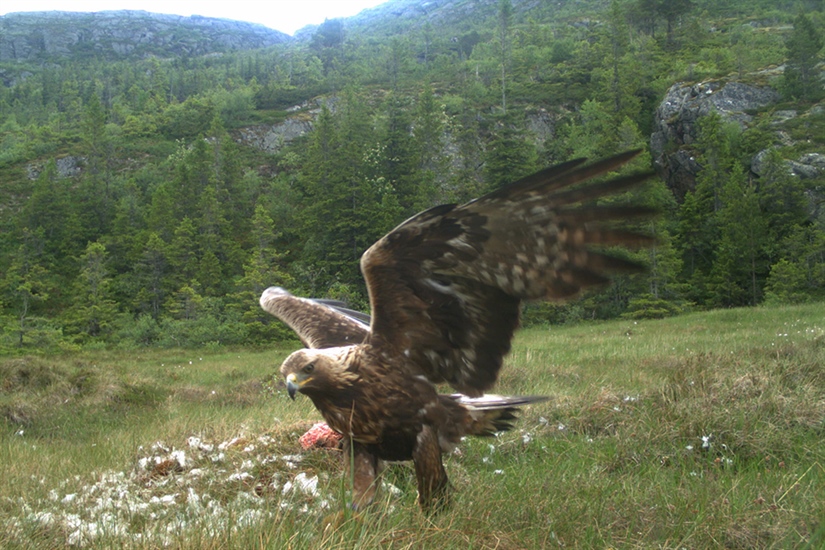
(445, 289)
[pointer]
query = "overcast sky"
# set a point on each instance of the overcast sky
(284, 15)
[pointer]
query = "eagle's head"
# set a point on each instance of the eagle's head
(316, 371)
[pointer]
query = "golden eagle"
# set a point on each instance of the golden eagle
(445, 290)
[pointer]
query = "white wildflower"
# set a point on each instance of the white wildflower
(179, 457)
(307, 485)
(239, 476)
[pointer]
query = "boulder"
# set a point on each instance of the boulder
(677, 123)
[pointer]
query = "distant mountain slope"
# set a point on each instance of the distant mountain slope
(43, 36)
(396, 17)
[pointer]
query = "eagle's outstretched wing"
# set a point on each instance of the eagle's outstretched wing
(318, 323)
(445, 285)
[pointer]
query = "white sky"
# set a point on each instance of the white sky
(284, 15)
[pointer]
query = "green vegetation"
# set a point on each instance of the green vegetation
(135, 211)
(700, 431)
(139, 222)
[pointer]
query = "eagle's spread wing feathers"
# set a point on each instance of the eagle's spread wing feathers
(445, 286)
(318, 323)
(341, 307)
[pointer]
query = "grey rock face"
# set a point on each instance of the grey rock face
(808, 166)
(677, 118)
(67, 167)
(272, 138)
(117, 34)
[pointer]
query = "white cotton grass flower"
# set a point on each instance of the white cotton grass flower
(179, 457)
(306, 484)
(169, 492)
(240, 476)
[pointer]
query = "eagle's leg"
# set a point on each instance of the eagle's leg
(429, 470)
(361, 468)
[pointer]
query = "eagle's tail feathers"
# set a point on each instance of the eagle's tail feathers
(490, 414)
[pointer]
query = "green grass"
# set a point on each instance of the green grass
(700, 431)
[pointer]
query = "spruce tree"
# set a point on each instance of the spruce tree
(93, 312)
(802, 80)
(26, 286)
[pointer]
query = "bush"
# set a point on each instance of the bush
(143, 331)
(206, 329)
(648, 307)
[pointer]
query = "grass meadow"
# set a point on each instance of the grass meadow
(700, 431)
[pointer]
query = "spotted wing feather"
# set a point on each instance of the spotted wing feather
(446, 285)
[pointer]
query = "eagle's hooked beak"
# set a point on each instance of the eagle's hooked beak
(291, 385)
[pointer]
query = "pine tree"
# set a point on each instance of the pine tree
(50, 213)
(96, 193)
(737, 276)
(182, 254)
(348, 205)
(150, 273)
(799, 275)
(591, 134)
(428, 131)
(26, 285)
(802, 80)
(698, 234)
(510, 155)
(328, 42)
(261, 270)
(94, 311)
(505, 22)
(672, 11)
(400, 157)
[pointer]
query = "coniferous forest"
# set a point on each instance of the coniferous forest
(148, 200)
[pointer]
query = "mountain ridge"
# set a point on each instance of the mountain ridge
(119, 34)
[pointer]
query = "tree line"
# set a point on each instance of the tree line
(174, 226)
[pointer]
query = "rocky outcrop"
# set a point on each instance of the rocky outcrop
(271, 138)
(542, 125)
(807, 166)
(42, 36)
(67, 167)
(676, 123)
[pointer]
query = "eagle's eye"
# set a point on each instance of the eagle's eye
(309, 368)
